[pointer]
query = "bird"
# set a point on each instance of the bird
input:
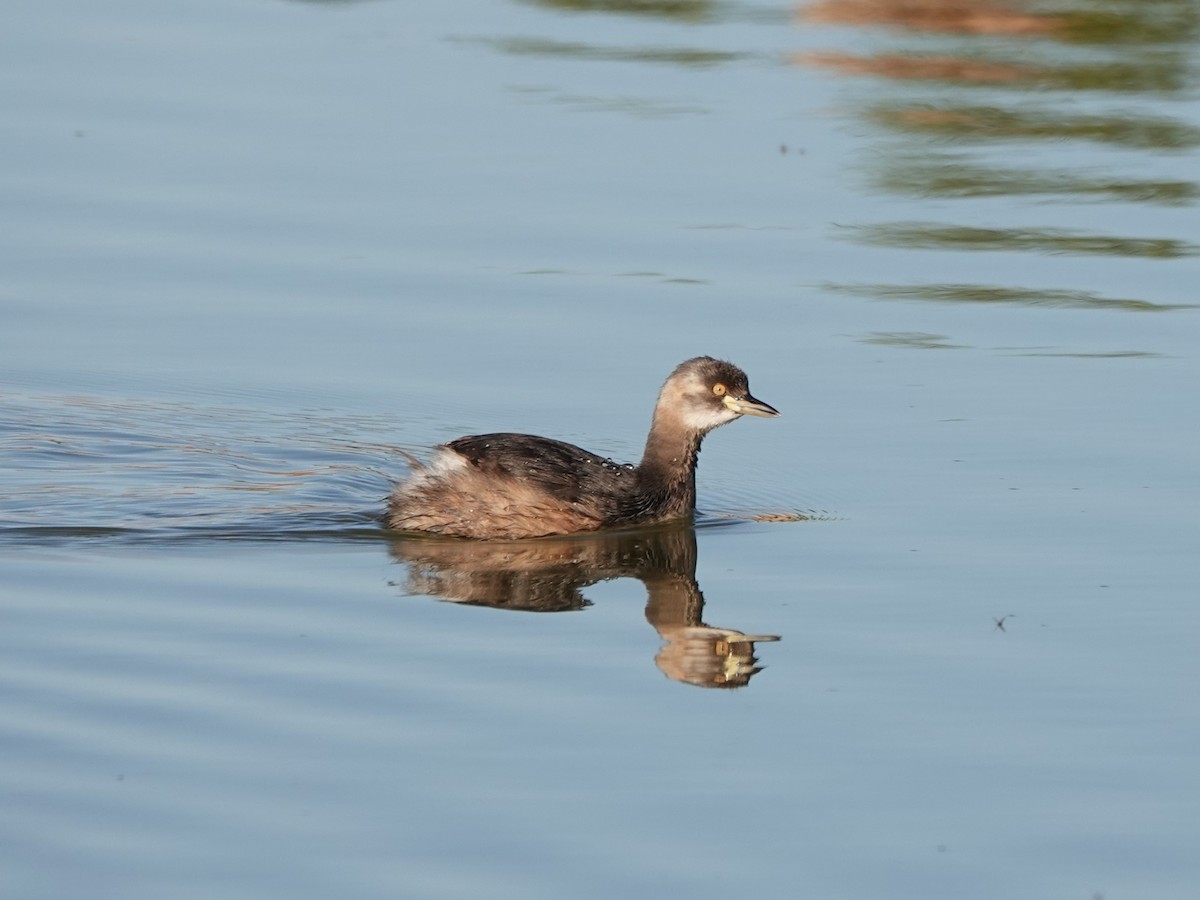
(507, 486)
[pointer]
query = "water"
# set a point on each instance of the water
(252, 251)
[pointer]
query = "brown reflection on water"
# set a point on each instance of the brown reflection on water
(953, 16)
(1082, 21)
(894, 65)
(549, 575)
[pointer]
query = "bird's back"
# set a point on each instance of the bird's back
(513, 486)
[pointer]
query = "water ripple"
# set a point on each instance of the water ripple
(81, 466)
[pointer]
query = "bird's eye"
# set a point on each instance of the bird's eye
(719, 389)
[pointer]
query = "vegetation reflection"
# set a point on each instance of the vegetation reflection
(679, 10)
(983, 293)
(681, 56)
(990, 123)
(953, 177)
(1112, 41)
(549, 575)
(1004, 98)
(1129, 22)
(934, 236)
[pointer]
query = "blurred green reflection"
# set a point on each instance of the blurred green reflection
(982, 293)
(681, 10)
(1161, 74)
(681, 56)
(949, 98)
(948, 175)
(1111, 354)
(933, 236)
(991, 123)
(1133, 22)
(639, 107)
(913, 340)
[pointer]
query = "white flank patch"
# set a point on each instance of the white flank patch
(444, 462)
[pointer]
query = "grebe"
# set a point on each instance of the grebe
(510, 486)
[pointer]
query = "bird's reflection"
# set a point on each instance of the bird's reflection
(549, 575)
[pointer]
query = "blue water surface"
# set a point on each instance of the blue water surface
(932, 633)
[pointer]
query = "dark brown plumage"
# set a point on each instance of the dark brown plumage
(507, 486)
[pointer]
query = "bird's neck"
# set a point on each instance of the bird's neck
(668, 467)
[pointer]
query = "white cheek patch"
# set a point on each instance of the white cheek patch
(708, 418)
